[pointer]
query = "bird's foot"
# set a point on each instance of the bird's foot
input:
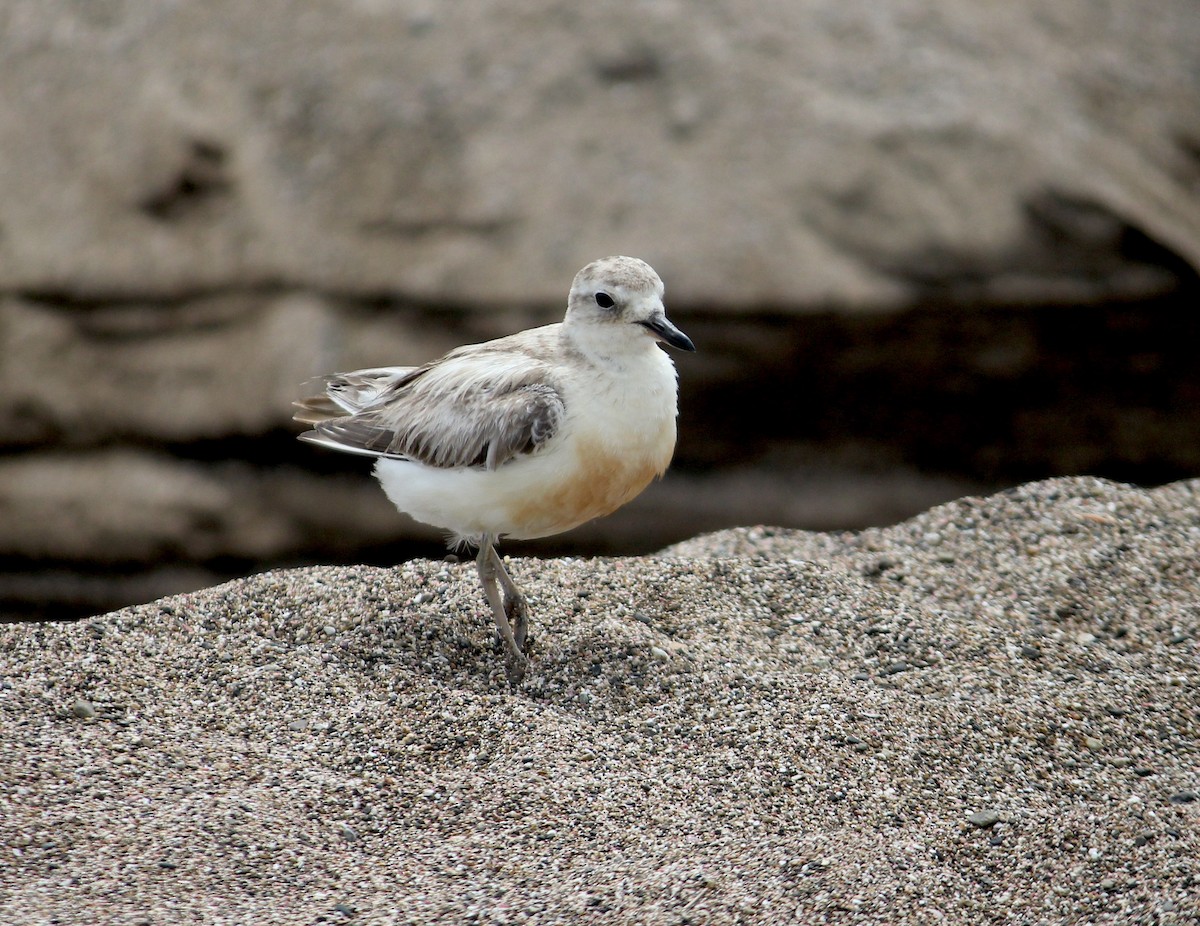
(515, 665)
(517, 612)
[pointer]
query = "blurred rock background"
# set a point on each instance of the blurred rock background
(925, 247)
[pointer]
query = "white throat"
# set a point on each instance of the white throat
(615, 346)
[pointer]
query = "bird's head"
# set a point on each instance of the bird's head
(620, 300)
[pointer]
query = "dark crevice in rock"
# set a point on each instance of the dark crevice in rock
(995, 394)
(992, 393)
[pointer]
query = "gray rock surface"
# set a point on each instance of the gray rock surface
(789, 154)
(205, 203)
(714, 734)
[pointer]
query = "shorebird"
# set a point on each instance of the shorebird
(525, 436)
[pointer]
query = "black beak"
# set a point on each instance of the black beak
(668, 333)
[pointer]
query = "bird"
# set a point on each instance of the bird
(524, 436)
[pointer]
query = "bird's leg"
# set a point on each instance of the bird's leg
(515, 662)
(515, 608)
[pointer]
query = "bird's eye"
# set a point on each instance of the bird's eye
(604, 300)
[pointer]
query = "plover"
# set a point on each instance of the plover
(525, 436)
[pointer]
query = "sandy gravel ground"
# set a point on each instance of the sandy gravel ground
(987, 714)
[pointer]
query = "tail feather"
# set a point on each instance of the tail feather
(343, 396)
(315, 409)
(350, 393)
(361, 389)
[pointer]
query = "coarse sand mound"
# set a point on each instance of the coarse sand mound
(988, 713)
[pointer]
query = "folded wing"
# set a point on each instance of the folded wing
(468, 409)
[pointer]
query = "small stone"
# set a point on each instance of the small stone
(984, 818)
(298, 726)
(1108, 884)
(83, 709)
(896, 668)
(329, 630)
(1093, 742)
(659, 653)
(347, 832)
(1031, 652)
(1183, 797)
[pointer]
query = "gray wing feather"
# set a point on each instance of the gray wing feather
(479, 409)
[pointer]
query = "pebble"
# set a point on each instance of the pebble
(83, 709)
(984, 818)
